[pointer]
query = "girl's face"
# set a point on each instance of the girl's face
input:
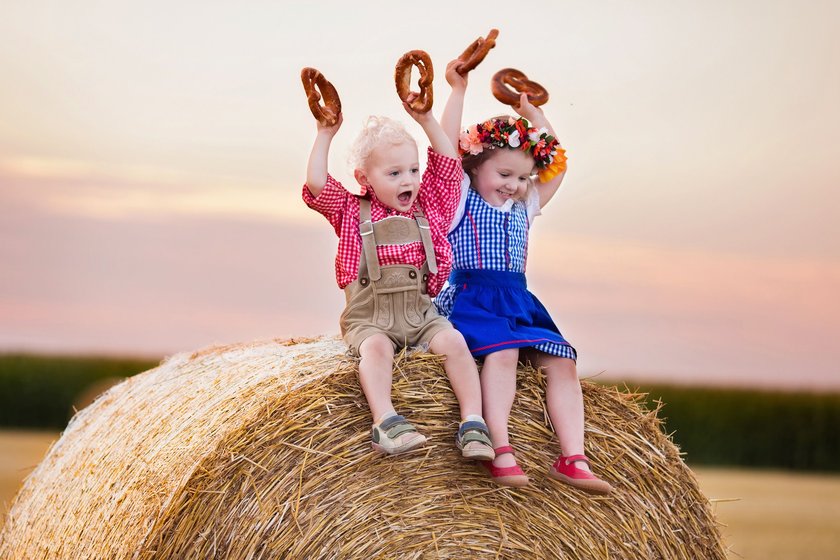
(393, 172)
(503, 175)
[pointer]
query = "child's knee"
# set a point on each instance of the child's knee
(509, 357)
(377, 347)
(448, 341)
(558, 367)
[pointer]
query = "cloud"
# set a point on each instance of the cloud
(110, 191)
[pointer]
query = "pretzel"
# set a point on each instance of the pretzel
(328, 113)
(402, 78)
(519, 83)
(476, 52)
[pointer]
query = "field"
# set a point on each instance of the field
(776, 515)
(767, 515)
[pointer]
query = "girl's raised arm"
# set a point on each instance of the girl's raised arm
(453, 111)
(538, 120)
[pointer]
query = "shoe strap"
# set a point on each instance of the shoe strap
(473, 425)
(391, 421)
(504, 449)
(572, 458)
(474, 435)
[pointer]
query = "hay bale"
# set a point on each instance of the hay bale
(262, 451)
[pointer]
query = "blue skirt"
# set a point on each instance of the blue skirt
(494, 310)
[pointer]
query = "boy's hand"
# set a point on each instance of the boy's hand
(419, 117)
(453, 78)
(330, 130)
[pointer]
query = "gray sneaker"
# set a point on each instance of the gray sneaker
(395, 435)
(473, 439)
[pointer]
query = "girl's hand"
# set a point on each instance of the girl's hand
(453, 78)
(530, 112)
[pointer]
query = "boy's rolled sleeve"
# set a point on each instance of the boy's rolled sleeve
(441, 190)
(331, 202)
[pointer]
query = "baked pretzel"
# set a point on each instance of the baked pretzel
(402, 78)
(476, 52)
(519, 83)
(328, 113)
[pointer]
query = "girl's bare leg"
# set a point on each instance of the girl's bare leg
(564, 399)
(498, 388)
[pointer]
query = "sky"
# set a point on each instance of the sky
(152, 156)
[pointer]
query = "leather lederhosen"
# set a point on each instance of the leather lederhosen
(392, 299)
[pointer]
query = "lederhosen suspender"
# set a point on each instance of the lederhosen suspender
(390, 231)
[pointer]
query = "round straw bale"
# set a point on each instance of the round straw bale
(262, 451)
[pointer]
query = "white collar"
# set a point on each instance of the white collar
(505, 207)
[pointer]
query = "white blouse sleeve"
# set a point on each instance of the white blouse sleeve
(532, 205)
(462, 203)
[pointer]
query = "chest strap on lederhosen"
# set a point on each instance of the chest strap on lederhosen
(426, 236)
(385, 233)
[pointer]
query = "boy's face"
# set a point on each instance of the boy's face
(503, 175)
(393, 172)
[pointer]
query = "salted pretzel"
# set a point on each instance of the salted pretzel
(508, 78)
(402, 78)
(476, 52)
(313, 82)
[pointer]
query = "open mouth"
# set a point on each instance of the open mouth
(404, 197)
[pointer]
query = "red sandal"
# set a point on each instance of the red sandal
(564, 470)
(506, 476)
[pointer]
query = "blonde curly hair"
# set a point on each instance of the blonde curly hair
(376, 132)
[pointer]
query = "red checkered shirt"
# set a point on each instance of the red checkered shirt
(440, 191)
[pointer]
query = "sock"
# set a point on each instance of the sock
(473, 418)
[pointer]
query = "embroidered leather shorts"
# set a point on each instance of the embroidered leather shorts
(396, 305)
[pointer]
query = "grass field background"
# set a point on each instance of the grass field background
(766, 515)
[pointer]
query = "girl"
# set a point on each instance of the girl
(487, 299)
(392, 255)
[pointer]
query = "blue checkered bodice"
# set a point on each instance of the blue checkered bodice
(488, 238)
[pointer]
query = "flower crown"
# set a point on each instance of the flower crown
(512, 133)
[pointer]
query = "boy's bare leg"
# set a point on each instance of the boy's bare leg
(390, 434)
(376, 373)
(460, 369)
(462, 372)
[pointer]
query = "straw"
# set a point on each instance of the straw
(262, 450)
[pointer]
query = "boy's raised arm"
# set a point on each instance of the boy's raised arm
(316, 168)
(437, 137)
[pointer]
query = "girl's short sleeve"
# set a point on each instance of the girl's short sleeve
(532, 204)
(462, 203)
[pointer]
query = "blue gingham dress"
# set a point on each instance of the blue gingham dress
(487, 298)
